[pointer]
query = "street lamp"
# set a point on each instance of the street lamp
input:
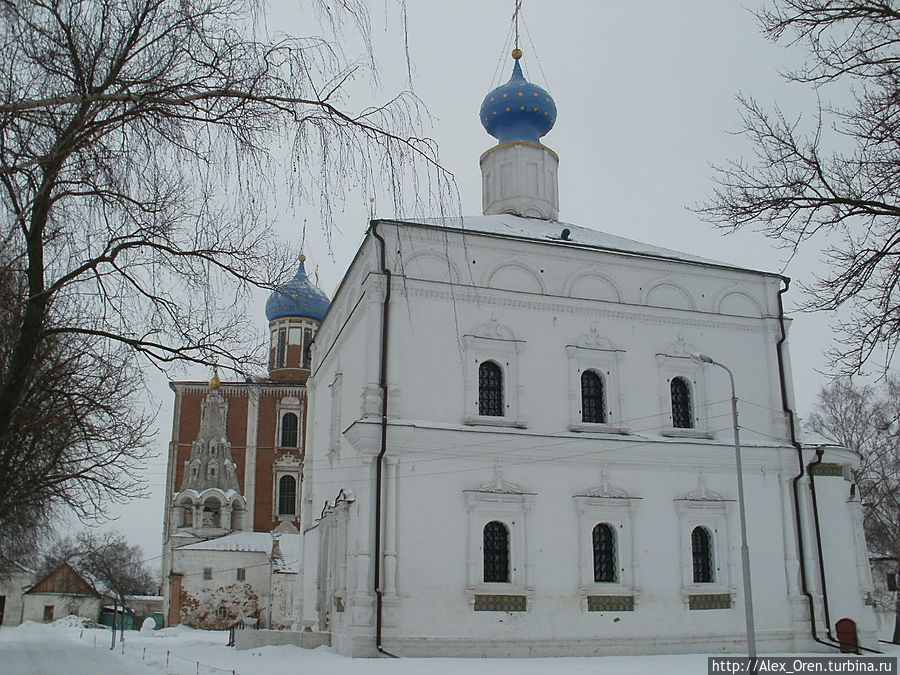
(745, 551)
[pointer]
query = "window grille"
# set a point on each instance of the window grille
(222, 612)
(605, 566)
(682, 406)
(241, 574)
(207, 573)
(287, 496)
(289, 425)
(701, 552)
(490, 389)
(496, 553)
(593, 398)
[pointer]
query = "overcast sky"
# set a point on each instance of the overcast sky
(645, 92)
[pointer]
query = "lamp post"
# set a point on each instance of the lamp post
(745, 551)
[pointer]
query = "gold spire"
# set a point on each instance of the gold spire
(302, 257)
(517, 53)
(215, 382)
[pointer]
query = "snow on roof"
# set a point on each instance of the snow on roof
(811, 438)
(289, 544)
(546, 231)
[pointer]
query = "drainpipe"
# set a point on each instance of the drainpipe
(815, 507)
(815, 504)
(379, 462)
(796, 480)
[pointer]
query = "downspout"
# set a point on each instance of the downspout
(815, 507)
(379, 461)
(812, 487)
(796, 480)
(815, 504)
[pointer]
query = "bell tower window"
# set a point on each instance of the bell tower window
(281, 348)
(289, 430)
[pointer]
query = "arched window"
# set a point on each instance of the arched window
(287, 496)
(682, 406)
(211, 513)
(593, 398)
(490, 389)
(702, 555)
(605, 565)
(289, 430)
(496, 552)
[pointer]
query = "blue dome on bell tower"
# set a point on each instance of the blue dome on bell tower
(518, 110)
(298, 298)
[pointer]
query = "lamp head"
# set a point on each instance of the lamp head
(702, 358)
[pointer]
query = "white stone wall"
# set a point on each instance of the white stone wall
(63, 605)
(201, 598)
(12, 588)
(543, 311)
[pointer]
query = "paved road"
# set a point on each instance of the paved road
(59, 658)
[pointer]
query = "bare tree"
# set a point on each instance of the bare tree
(118, 567)
(135, 170)
(55, 552)
(865, 420)
(835, 174)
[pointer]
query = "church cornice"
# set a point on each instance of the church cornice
(232, 389)
(593, 308)
(494, 240)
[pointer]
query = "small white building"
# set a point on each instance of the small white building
(239, 576)
(512, 451)
(63, 592)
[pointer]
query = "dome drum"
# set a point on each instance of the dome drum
(519, 174)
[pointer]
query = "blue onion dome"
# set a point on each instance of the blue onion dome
(298, 298)
(518, 110)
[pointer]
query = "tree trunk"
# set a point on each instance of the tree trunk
(112, 644)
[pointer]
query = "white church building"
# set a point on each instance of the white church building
(512, 451)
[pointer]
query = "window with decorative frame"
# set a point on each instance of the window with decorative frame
(289, 430)
(608, 567)
(286, 486)
(493, 392)
(595, 396)
(499, 569)
(706, 570)
(682, 397)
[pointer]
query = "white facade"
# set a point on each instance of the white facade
(238, 576)
(14, 581)
(545, 306)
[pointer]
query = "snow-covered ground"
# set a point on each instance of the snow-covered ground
(68, 648)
